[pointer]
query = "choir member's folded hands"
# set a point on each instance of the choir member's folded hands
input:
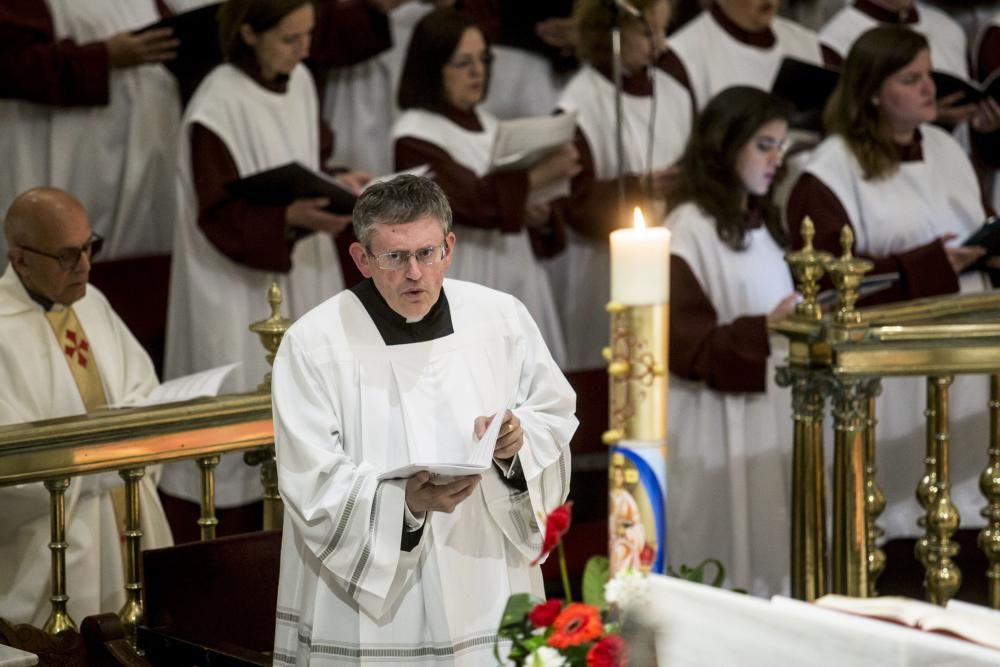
(132, 49)
(422, 495)
(312, 214)
(563, 162)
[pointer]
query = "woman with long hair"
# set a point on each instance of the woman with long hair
(445, 78)
(730, 435)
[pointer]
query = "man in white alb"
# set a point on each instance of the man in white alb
(384, 375)
(63, 352)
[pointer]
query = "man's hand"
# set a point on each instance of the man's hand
(423, 496)
(511, 437)
(129, 49)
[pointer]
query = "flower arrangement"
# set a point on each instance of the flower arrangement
(564, 633)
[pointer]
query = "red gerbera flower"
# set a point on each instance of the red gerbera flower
(576, 624)
(609, 651)
(545, 613)
(556, 525)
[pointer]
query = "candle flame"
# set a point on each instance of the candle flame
(638, 221)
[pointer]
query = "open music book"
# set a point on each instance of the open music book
(979, 624)
(523, 142)
(196, 385)
(456, 461)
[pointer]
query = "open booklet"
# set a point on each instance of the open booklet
(196, 385)
(973, 91)
(459, 462)
(280, 186)
(522, 143)
(987, 237)
(979, 624)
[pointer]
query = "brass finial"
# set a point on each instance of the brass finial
(271, 331)
(847, 273)
(808, 267)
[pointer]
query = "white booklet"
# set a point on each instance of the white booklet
(521, 143)
(479, 460)
(419, 170)
(197, 385)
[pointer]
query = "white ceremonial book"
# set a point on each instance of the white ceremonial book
(979, 625)
(456, 461)
(196, 385)
(522, 143)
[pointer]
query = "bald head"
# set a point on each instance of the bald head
(40, 225)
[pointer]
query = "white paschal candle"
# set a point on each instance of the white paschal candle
(640, 264)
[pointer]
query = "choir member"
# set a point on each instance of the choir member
(86, 107)
(445, 77)
(257, 111)
(656, 112)
(730, 431)
(737, 42)
(911, 196)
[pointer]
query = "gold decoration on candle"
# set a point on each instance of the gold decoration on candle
(807, 267)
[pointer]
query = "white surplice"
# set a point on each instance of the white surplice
(213, 299)
(346, 408)
(38, 385)
(580, 274)
(922, 201)
(715, 61)
(489, 257)
(729, 462)
(117, 159)
(945, 36)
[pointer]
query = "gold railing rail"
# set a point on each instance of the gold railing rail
(843, 355)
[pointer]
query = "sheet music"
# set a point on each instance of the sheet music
(522, 142)
(480, 458)
(196, 385)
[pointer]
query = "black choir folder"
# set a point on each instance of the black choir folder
(280, 186)
(199, 51)
(948, 84)
(988, 237)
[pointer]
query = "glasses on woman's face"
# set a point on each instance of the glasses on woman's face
(394, 260)
(69, 258)
(467, 62)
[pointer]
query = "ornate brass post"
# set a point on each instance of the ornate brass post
(59, 618)
(942, 577)
(270, 331)
(207, 521)
(808, 531)
(131, 611)
(989, 484)
(808, 538)
(852, 397)
(927, 487)
(874, 502)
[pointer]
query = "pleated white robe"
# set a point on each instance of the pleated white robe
(729, 456)
(38, 385)
(348, 407)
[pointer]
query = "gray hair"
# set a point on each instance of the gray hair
(403, 199)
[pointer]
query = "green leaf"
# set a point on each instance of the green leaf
(514, 621)
(595, 575)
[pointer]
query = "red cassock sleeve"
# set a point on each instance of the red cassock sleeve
(727, 357)
(924, 271)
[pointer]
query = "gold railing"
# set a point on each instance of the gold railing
(52, 452)
(842, 356)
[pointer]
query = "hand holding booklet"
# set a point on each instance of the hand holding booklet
(477, 458)
(522, 143)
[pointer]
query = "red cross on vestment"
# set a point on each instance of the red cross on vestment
(77, 346)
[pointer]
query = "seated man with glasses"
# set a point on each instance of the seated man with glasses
(63, 352)
(388, 374)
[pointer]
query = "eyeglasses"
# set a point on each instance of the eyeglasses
(466, 62)
(395, 260)
(69, 258)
